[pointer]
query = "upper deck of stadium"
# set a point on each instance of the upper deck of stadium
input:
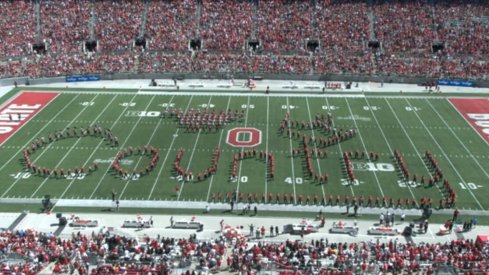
(429, 38)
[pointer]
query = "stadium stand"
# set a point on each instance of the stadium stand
(171, 24)
(30, 252)
(13, 44)
(406, 30)
(117, 23)
(463, 26)
(283, 25)
(404, 27)
(225, 24)
(342, 26)
(407, 38)
(65, 25)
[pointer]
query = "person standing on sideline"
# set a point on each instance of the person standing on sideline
(171, 221)
(455, 214)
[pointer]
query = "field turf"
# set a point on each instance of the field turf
(410, 124)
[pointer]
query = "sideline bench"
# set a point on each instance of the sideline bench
(188, 225)
(84, 223)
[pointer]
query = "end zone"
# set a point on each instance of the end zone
(476, 113)
(20, 110)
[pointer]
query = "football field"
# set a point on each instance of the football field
(285, 149)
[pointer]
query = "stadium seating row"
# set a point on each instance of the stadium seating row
(29, 252)
(416, 38)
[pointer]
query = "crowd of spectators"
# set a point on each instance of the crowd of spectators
(404, 26)
(284, 26)
(29, 252)
(17, 28)
(414, 65)
(464, 25)
(343, 26)
(171, 24)
(117, 23)
(65, 25)
(56, 65)
(364, 257)
(165, 62)
(360, 63)
(225, 24)
(406, 31)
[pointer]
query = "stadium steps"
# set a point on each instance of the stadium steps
(199, 15)
(371, 25)
(144, 19)
(311, 61)
(434, 25)
(17, 220)
(314, 23)
(37, 13)
(93, 19)
(59, 230)
(254, 19)
(374, 63)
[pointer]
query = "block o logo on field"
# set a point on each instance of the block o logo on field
(244, 137)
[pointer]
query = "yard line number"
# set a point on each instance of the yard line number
(469, 185)
(297, 180)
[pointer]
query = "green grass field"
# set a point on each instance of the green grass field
(409, 124)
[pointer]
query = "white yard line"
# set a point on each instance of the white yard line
(459, 140)
(240, 93)
(192, 154)
(141, 157)
(446, 157)
(471, 126)
(242, 149)
(237, 93)
(16, 155)
(315, 147)
(339, 146)
(364, 147)
(66, 155)
(93, 150)
(45, 150)
(412, 144)
(219, 146)
(387, 142)
(168, 152)
(291, 154)
(32, 118)
(106, 172)
(266, 150)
